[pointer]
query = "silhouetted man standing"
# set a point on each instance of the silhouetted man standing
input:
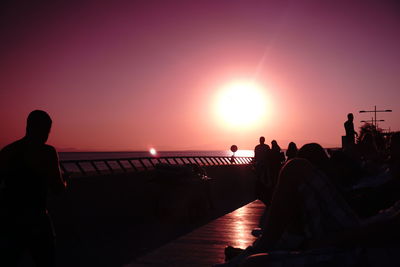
(29, 169)
(349, 127)
(261, 153)
(261, 157)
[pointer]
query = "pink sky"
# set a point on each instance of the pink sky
(142, 74)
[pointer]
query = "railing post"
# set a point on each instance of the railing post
(144, 166)
(120, 164)
(80, 168)
(133, 165)
(95, 167)
(108, 166)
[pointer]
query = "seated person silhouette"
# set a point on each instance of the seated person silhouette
(29, 170)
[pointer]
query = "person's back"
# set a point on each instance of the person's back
(349, 127)
(25, 172)
(29, 169)
(261, 152)
(277, 156)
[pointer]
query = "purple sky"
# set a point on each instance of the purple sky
(129, 75)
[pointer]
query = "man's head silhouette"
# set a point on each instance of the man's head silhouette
(38, 126)
(262, 140)
(350, 116)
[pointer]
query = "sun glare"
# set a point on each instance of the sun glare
(152, 151)
(241, 104)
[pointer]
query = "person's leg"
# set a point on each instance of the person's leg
(42, 244)
(12, 244)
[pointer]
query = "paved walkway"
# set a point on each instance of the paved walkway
(205, 245)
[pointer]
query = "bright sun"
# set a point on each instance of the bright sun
(241, 104)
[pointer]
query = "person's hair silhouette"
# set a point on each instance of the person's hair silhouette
(38, 126)
(29, 170)
(291, 151)
(275, 146)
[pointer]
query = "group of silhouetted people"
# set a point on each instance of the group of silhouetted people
(329, 208)
(340, 208)
(268, 162)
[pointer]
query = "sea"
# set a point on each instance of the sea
(141, 154)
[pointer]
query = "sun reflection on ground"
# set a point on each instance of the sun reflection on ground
(241, 236)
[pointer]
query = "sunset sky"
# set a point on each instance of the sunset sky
(130, 75)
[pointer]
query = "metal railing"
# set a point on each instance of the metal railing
(81, 168)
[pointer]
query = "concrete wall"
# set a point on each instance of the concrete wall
(140, 195)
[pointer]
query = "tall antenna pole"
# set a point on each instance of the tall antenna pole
(374, 120)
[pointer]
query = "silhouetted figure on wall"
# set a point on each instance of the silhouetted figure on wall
(350, 133)
(261, 155)
(30, 170)
(291, 151)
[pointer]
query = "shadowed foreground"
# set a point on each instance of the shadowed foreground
(114, 220)
(205, 246)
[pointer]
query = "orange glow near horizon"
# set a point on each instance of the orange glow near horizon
(241, 104)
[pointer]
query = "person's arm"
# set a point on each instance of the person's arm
(55, 182)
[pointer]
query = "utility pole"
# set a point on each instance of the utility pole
(374, 120)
